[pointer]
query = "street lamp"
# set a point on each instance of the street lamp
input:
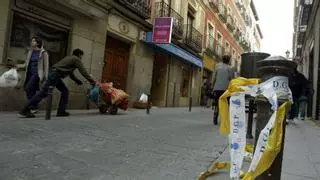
(287, 54)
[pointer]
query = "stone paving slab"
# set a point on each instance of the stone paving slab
(169, 144)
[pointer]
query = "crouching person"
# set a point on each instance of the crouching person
(58, 72)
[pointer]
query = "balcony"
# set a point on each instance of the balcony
(140, 7)
(164, 10)
(193, 38)
(301, 37)
(230, 23)
(222, 13)
(306, 11)
(245, 45)
(239, 4)
(248, 20)
(237, 35)
(214, 4)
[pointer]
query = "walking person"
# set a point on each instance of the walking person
(59, 71)
(223, 75)
(37, 69)
(298, 84)
(208, 94)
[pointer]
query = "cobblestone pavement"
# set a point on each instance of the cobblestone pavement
(170, 144)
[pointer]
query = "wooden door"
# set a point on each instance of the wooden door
(115, 67)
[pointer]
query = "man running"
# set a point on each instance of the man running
(59, 71)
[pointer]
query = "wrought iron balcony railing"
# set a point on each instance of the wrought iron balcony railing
(230, 23)
(239, 4)
(222, 13)
(237, 34)
(214, 4)
(248, 20)
(193, 38)
(245, 44)
(164, 10)
(141, 7)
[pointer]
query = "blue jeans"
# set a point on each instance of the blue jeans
(54, 80)
(294, 111)
(32, 86)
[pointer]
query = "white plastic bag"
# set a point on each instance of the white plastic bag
(143, 98)
(9, 78)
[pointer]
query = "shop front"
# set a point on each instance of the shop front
(176, 75)
(62, 27)
(207, 76)
(209, 65)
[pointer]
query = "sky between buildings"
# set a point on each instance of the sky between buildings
(276, 22)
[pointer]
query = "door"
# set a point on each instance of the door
(115, 67)
(160, 80)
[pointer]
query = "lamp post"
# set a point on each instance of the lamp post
(287, 54)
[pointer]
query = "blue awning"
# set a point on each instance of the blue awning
(176, 51)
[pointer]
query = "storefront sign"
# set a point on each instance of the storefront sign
(162, 30)
(209, 63)
(34, 10)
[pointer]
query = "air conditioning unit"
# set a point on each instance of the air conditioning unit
(142, 36)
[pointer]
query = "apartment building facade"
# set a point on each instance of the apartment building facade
(230, 29)
(222, 31)
(177, 66)
(116, 38)
(306, 48)
(108, 32)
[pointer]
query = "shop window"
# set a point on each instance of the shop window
(227, 48)
(185, 83)
(54, 40)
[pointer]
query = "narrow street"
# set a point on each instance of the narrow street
(169, 144)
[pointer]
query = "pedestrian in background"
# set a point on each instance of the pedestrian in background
(304, 99)
(37, 69)
(59, 71)
(223, 75)
(298, 84)
(209, 95)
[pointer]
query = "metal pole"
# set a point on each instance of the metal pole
(149, 104)
(49, 103)
(87, 100)
(190, 104)
(190, 89)
(250, 119)
(263, 115)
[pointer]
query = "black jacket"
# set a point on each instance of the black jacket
(298, 84)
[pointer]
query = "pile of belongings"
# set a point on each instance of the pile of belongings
(142, 103)
(117, 96)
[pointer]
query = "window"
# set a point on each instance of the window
(227, 48)
(234, 57)
(185, 82)
(234, 54)
(229, 10)
(190, 23)
(219, 45)
(54, 40)
(235, 21)
(210, 39)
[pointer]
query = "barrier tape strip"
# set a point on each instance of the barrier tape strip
(233, 125)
